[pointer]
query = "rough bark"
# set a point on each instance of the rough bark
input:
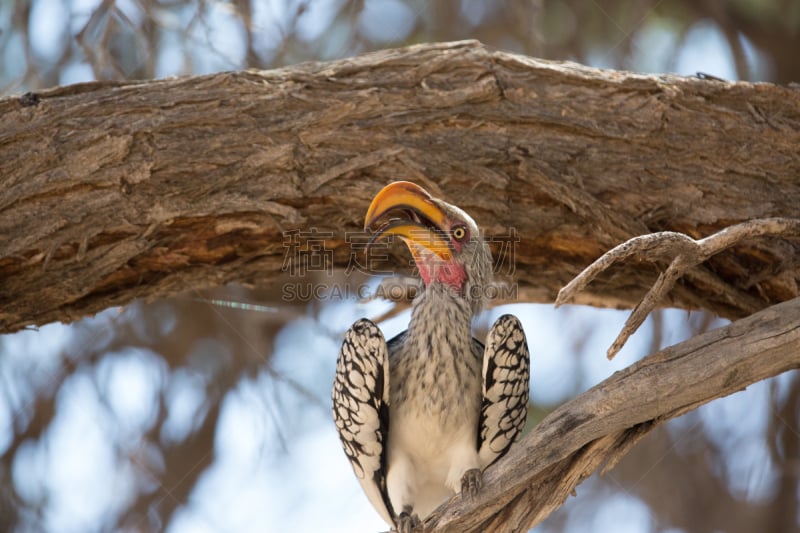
(600, 426)
(113, 191)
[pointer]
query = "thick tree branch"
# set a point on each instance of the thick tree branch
(115, 191)
(601, 425)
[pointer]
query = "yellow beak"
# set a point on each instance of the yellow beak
(423, 223)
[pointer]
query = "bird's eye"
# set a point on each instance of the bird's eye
(459, 233)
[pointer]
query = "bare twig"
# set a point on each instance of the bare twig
(685, 252)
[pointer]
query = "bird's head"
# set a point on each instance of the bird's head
(447, 245)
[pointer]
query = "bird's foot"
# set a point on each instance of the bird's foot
(471, 482)
(407, 522)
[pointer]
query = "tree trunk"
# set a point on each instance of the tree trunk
(115, 191)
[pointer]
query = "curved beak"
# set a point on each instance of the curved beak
(419, 220)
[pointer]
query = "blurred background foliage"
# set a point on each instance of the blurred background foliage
(210, 411)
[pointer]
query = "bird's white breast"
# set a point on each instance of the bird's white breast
(435, 400)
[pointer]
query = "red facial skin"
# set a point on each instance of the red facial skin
(433, 268)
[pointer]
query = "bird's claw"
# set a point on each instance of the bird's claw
(407, 522)
(471, 482)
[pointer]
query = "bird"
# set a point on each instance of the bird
(420, 417)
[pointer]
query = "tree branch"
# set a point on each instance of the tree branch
(114, 191)
(598, 427)
(684, 252)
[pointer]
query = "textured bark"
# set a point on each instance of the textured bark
(600, 426)
(113, 191)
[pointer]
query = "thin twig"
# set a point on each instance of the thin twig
(685, 253)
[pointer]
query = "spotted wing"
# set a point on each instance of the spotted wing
(506, 381)
(361, 409)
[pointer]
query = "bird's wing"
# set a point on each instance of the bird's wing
(361, 409)
(506, 373)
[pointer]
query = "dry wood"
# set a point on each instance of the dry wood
(685, 253)
(598, 427)
(116, 191)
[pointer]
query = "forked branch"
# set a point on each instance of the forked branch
(684, 254)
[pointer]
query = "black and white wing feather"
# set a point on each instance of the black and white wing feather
(361, 409)
(506, 382)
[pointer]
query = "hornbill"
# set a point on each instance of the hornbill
(421, 416)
